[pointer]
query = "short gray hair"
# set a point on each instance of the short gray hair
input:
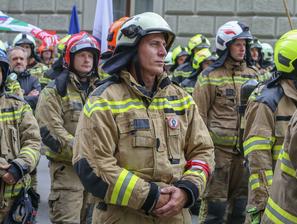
(17, 48)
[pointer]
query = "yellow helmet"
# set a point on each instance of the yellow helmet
(62, 43)
(198, 41)
(177, 52)
(285, 53)
(201, 56)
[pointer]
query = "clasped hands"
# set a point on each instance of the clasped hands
(171, 202)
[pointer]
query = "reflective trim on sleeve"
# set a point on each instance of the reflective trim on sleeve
(123, 188)
(269, 176)
(256, 143)
(275, 151)
(34, 155)
(254, 181)
(278, 215)
(199, 173)
(286, 165)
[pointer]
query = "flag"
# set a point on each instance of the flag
(102, 21)
(8, 23)
(74, 22)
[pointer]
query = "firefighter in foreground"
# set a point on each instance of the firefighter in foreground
(57, 112)
(217, 94)
(267, 121)
(141, 146)
(20, 143)
(267, 116)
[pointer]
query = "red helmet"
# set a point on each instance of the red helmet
(113, 32)
(81, 41)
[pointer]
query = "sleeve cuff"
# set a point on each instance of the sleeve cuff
(191, 190)
(16, 171)
(152, 198)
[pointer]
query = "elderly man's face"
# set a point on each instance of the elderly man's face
(18, 61)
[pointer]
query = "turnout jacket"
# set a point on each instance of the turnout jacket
(128, 144)
(267, 116)
(20, 142)
(282, 203)
(217, 94)
(57, 113)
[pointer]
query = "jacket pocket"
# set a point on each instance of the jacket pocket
(173, 140)
(14, 143)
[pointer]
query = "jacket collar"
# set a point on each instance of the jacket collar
(289, 88)
(161, 82)
(230, 64)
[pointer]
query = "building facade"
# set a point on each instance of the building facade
(266, 18)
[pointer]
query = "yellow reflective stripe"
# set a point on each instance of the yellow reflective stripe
(189, 89)
(199, 173)
(278, 215)
(181, 74)
(44, 80)
(115, 106)
(254, 181)
(275, 151)
(129, 190)
(223, 140)
(123, 188)
(14, 115)
(269, 176)
(178, 105)
(30, 152)
(125, 105)
(256, 143)
(206, 80)
(13, 190)
(286, 165)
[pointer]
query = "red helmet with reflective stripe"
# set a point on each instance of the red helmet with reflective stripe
(81, 41)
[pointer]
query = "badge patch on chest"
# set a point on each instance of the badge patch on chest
(173, 122)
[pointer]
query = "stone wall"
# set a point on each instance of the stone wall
(266, 18)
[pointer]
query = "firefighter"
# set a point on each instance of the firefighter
(217, 94)
(57, 113)
(34, 66)
(20, 143)
(202, 59)
(267, 116)
(195, 44)
(141, 147)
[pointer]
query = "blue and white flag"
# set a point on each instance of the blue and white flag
(103, 19)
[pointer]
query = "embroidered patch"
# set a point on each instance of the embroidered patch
(173, 122)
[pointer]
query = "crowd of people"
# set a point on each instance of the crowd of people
(142, 134)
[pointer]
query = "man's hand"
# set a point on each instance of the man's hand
(8, 178)
(34, 92)
(163, 200)
(178, 199)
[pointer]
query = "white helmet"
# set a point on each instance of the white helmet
(23, 38)
(267, 52)
(230, 31)
(140, 25)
